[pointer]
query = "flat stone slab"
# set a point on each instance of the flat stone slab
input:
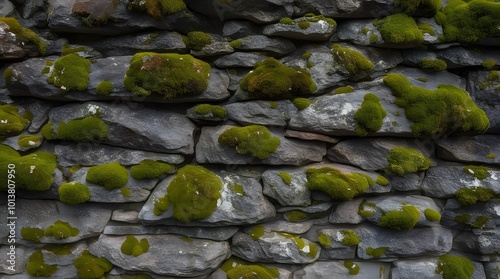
(479, 149)
(337, 270)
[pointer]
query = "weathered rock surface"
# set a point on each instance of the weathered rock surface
(426, 268)
(295, 194)
(480, 149)
(268, 113)
(483, 87)
(481, 215)
(240, 59)
(316, 31)
(274, 46)
(336, 269)
(483, 242)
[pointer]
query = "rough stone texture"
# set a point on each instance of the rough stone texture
(426, 268)
(235, 29)
(274, 46)
(239, 59)
(260, 112)
(487, 212)
(336, 269)
(460, 56)
(484, 92)
(470, 149)
(168, 254)
(287, 195)
(483, 242)
(317, 31)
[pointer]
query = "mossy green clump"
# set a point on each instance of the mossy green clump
(470, 195)
(167, 74)
(354, 61)
(67, 49)
(83, 130)
(29, 141)
(480, 222)
(133, 247)
(162, 204)
(59, 249)
(491, 79)
(336, 184)
(310, 64)
(454, 267)
(399, 29)
(285, 177)
(373, 38)
(197, 40)
(273, 104)
(34, 171)
(308, 249)
(376, 252)
(272, 80)
(491, 156)
(287, 21)
(125, 191)
(32, 234)
(74, 193)
(157, 8)
(11, 122)
(296, 215)
(253, 139)
(352, 267)
(489, 64)
(306, 55)
(324, 240)
(61, 230)
(443, 110)
(382, 181)
(403, 219)
(479, 172)
(366, 209)
(426, 28)
(462, 218)
(422, 79)
(249, 271)
(403, 160)
(301, 103)
(193, 193)
(111, 175)
(432, 215)
(423, 7)
(148, 169)
(104, 87)
(436, 65)
(469, 21)
(89, 266)
(304, 24)
(71, 72)
(257, 232)
(37, 267)
(344, 89)
(214, 110)
(24, 34)
(350, 238)
(48, 131)
(315, 18)
(236, 44)
(370, 116)
(8, 74)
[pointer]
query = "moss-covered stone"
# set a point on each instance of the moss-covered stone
(296, 215)
(74, 193)
(70, 72)
(373, 38)
(308, 249)
(197, 40)
(29, 141)
(336, 184)
(352, 267)
(111, 175)
(48, 131)
(24, 34)
(432, 215)
(285, 177)
(59, 249)
(350, 238)
(60, 230)
(148, 169)
(367, 209)
(157, 8)
(376, 252)
(489, 64)
(32, 234)
(301, 103)
(470, 195)
(399, 29)
(382, 181)
(370, 116)
(344, 89)
(354, 61)
(253, 139)
(11, 122)
(37, 267)
(426, 28)
(424, 7)
(133, 247)
(236, 268)
(83, 130)
(236, 44)
(104, 87)
(257, 232)
(454, 267)
(479, 172)
(324, 240)
(193, 194)
(403, 219)
(167, 74)
(436, 65)
(444, 110)
(287, 21)
(272, 80)
(403, 160)
(214, 110)
(91, 267)
(304, 24)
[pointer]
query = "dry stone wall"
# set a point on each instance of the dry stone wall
(250, 139)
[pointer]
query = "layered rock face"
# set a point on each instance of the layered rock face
(250, 139)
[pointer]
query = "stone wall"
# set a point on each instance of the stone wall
(326, 180)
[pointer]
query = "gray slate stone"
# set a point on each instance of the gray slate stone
(337, 270)
(412, 57)
(218, 46)
(133, 128)
(14, 142)
(470, 149)
(492, 270)
(168, 254)
(336, 250)
(346, 213)
(310, 136)
(21, 258)
(317, 31)
(463, 57)
(408, 182)
(346, 8)
(11, 47)
(289, 152)
(92, 154)
(260, 112)
(359, 32)
(272, 247)
(430, 241)
(484, 242)
(286, 226)
(259, 11)
(261, 43)
(232, 208)
(482, 215)
(485, 94)
(239, 59)
(235, 29)
(295, 194)
(426, 268)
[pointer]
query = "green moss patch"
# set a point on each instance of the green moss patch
(24, 34)
(104, 87)
(443, 110)
(157, 8)
(424, 7)
(304, 24)
(435, 65)
(60, 230)
(454, 267)
(272, 80)
(197, 40)
(399, 29)
(11, 122)
(37, 267)
(59, 249)
(470, 195)
(111, 175)
(376, 252)
(344, 89)
(148, 169)
(370, 116)
(489, 64)
(469, 21)
(167, 74)
(367, 209)
(324, 240)
(257, 232)
(403, 160)
(287, 21)
(403, 219)
(301, 103)
(336, 184)
(382, 181)
(286, 177)
(214, 110)
(432, 215)
(479, 172)
(48, 131)
(74, 193)
(83, 130)
(253, 139)
(90, 266)
(71, 72)
(193, 194)
(354, 61)
(32, 234)
(296, 215)
(29, 141)
(352, 267)
(350, 238)
(236, 44)
(236, 268)
(308, 249)
(426, 28)
(133, 247)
